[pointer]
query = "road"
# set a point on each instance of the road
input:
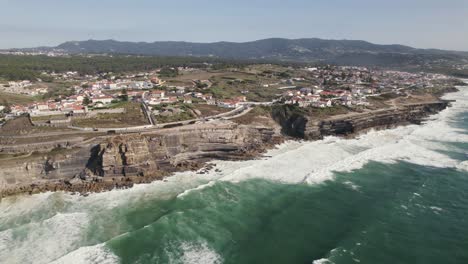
(242, 110)
(148, 113)
(238, 112)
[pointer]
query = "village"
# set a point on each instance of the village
(178, 95)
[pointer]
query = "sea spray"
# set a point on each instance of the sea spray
(367, 199)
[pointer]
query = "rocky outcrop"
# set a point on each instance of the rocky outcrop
(20, 125)
(141, 155)
(120, 161)
(134, 158)
(303, 126)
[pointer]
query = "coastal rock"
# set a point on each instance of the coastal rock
(306, 127)
(120, 161)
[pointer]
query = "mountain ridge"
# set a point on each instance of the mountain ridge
(301, 50)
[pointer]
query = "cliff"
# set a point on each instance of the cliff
(300, 124)
(119, 161)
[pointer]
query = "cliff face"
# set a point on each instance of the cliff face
(39, 167)
(138, 157)
(120, 161)
(306, 127)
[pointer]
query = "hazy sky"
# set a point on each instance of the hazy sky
(419, 23)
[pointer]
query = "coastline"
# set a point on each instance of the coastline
(253, 150)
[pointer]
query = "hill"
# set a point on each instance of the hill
(273, 48)
(340, 52)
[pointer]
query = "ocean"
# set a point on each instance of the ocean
(393, 196)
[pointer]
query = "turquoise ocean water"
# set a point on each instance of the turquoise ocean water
(395, 196)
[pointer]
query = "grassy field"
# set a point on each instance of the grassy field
(230, 83)
(46, 118)
(197, 75)
(209, 110)
(321, 113)
(15, 98)
(260, 114)
(133, 117)
(239, 83)
(249, 81)
(174, 118)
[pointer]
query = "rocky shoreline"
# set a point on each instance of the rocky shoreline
(117, 162)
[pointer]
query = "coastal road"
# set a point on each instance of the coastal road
(238, 112)
(242, 110)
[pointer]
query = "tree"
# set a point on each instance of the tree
(46, 78)
(86, 101)
(124, 95)
(284, 75)
(7, 108)
(168, 72)
(343, 75)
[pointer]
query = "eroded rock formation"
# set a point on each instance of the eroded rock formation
(119, 161)
(138, 157)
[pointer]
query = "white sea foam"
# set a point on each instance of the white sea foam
(58, 237)
(315, 162)
(199, 254)
(352, 185)
(98, 254)
(436, 209)
(463, 166)
(40, 242)
(194, 253)
(16, 206)
(198, 188)
(322, 261)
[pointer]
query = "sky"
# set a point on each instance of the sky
(439, 24)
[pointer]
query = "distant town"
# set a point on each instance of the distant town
(183, 93)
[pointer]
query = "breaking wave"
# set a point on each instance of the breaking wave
(195, 254)
(98, 254)
(54, 227)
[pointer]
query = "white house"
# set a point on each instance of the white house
(42, 107)
(105, 99)
(112, 86)
(158, 94)
(180, 90)
(228, 103)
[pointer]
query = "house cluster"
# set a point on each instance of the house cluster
(316, 97)
(178, 94)
(34, 53)
(120, 84)
(157, 97)
(23, 87)
(344, 77)
(63, 76)
(351, 86)
(208, 98)
(75, 104)
(232, 103)
(20, 84)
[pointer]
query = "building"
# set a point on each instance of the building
(187, 100)
(158, 94)
(228, 103)
(105, 99)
